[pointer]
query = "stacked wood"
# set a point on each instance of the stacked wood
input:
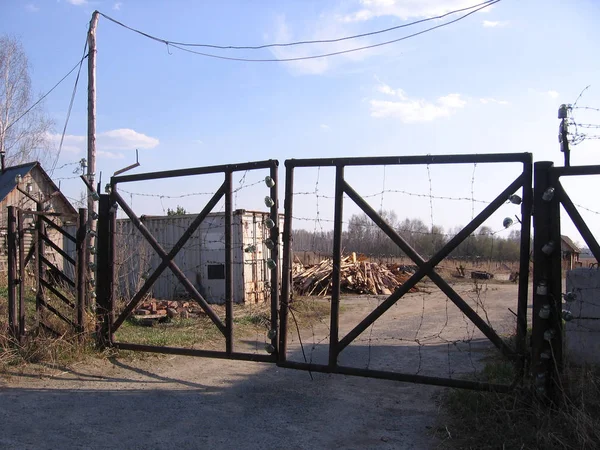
(357, 276)
(156, 309)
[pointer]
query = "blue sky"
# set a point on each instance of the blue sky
(490, 83)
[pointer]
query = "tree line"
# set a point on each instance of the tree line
(365, 237)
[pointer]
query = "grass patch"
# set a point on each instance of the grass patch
(483, 420)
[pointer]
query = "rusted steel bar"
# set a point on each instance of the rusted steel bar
(286, 270)
(394, 376)
(56, 227)
(228, 265)
(103, 282)
(22, 265)
(574, 170)
(193, 352)
(545, 207)
(31, 251)
(433, 275)
(58, 250)
(524, 263)
(194, 171)
(81, 268)
(411, 160)
(56, 271)
(59, 294)
(12, 272)
(336, 261)
(167, 260)
(275, 273)
(58, 314)
(429, 265)
(582, 227)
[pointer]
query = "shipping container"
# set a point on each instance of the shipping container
(202, 258)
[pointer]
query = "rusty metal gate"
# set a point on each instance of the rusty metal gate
(44, 257)
(109, 322)
(337, 343)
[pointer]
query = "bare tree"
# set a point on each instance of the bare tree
(24, 135)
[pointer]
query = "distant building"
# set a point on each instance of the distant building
(28, 187)
(570, 253)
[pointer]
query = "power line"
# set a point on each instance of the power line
(301, 58)
(62, 138)
(290, 44)
(47, 93)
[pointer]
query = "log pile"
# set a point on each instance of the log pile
(358, 277)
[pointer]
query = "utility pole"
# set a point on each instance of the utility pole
(91, 135)
(563, 134)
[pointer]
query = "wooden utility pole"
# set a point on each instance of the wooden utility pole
(91, 149)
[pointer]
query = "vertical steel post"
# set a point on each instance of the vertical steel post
(337, 262)
(21, 236)
(228, 265)
(41, 271)
(545, 335)
(12, 272)
(286, 270)
(524, 264)
(81, 269)
(103, 277)
(274, 236)
(555, 285)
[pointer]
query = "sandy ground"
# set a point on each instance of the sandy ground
(184, 402)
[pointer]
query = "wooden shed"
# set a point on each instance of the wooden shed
(28, 186)
(570, 253)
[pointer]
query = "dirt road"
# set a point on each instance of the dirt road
(183, 402)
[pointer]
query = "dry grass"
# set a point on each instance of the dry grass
(519, 420)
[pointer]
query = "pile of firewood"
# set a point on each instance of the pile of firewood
(358, 277)
(156, 309)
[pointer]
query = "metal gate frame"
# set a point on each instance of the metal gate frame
(18, 261)
(426, 267)
(547, 333)
(108, 324)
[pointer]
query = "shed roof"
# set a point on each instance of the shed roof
(567, 240)
(8, 181)
(7, 178)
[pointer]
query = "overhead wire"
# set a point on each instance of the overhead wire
(62, 138)
(290, 44)
(302, 58)
(47, 93)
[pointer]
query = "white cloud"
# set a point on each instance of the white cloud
(109, 155)
(325, 127)
(415, 110)
(199, 142)
(32, 8)
(108, 141)
(487, 100)
(406, 9)
(553, 94)
(494, 24)
(126, 139)
(77, 2)
(117, 6)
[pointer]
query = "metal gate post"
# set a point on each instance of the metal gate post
(12, 273)
(546, 338)
(275, 273)
(104, 281)
(81, 269)
(21, 243)
(286, 270)
(337, 262)
(228, 265)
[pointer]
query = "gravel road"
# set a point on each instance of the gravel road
(183, 402)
